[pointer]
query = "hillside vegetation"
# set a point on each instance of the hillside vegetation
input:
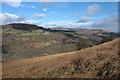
(99, 61)
(30, 41)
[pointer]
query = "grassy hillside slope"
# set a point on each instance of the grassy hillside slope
(97, 61)
(30, 41)
(23, 41)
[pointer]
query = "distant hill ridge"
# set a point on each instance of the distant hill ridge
(95, 32)
(30, 27)
(21, 26)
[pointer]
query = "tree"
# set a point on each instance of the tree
(106, 39)
(82, 43)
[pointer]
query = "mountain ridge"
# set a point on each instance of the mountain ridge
(21, 26)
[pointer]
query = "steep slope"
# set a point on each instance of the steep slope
(97, 61)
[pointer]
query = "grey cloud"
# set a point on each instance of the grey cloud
(108, 23)
(84, 19)
(8, 18)
(39, 15)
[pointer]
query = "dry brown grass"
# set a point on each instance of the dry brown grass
(22, 39)
(97, 61)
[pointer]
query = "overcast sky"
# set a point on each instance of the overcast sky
(90, 15)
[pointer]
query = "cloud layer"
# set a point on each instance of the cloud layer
(12, 18)
(16, 3)
(91, 10)
(39, 15)
(108, 23)
(13, 3)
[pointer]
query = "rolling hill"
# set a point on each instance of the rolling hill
(99, 61)
(94, 32)
(29, 41)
